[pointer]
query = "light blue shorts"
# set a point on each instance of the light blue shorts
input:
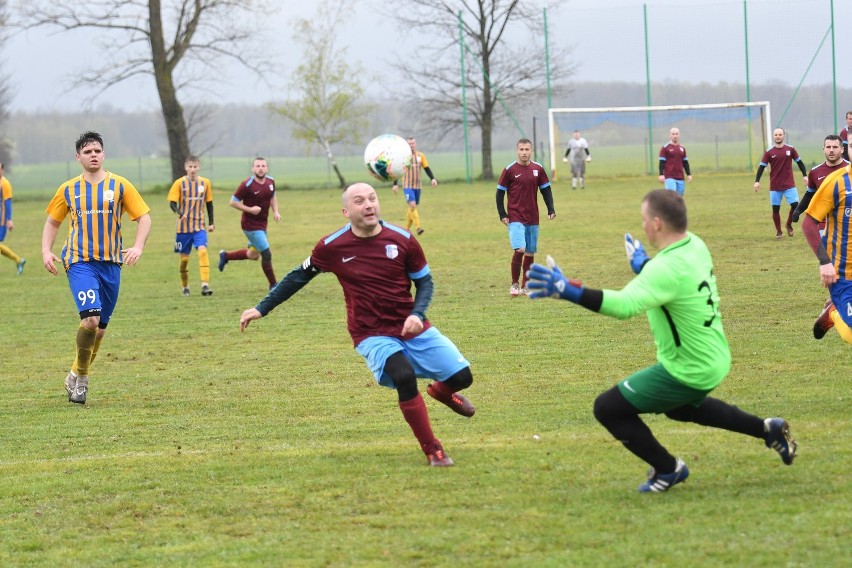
(185, 241)
(257, 240)
(677, 185)
(431, 354)
(841, 295)
(791, 195)
(523, 237)
(412, 195)
(94, 287)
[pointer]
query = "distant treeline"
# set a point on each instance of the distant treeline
(243, 130)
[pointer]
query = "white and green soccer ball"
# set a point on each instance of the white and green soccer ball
(387, 156)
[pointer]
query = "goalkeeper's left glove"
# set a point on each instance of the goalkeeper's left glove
(549, 282)
(588, 158)
(636, 255)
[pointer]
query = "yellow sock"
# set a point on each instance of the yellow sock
(841, 327)
(408, 219)
(415, 216)
(203, 264)
(184, 270)
(85, 345)
(98, 338)
(7, 252)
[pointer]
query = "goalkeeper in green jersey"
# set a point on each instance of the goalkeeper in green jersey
(677, 291)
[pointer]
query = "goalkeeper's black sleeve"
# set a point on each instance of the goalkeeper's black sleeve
(501, 210)
(760, 169)
(428, 171)
(297, 279)
(174, 206)
(802, 206)
(547, 194)
(662, 166)
(802, 167)
(568, 151)
(210, 213)
(587, 152)
(686, 166)
(591, 299)
(425, 288)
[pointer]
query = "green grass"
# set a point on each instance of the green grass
(204, 446)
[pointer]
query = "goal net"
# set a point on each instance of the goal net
(626, 141)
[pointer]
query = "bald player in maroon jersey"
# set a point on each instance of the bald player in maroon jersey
(375, 263)
(832, 148)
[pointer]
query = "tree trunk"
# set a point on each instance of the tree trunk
(175, 123)
(332, 161)
(487, 127)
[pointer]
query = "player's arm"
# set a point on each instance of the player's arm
(803, 205)
(686, 166)
(424, 290)
(549, 282)
(210, 214)
(428, 171)
(295, 280)
(501, 208)
(802, 167)
(827, 272)
(48, 237)
(174, 206)
(143, 229)
(758, 175)
(8, 220)
(547, 195)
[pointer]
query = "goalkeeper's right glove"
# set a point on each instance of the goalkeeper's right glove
(588, 158)
(636, 255)
(549, 282)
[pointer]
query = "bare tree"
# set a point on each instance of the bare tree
(138, 40)
(329, 109)
(6, 145)
(497, 73)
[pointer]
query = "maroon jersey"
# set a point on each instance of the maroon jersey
(252, 192)
(818, 173)
(376, 275)
(844, 137)
(521, 184)
(780, 162)
(673, 156)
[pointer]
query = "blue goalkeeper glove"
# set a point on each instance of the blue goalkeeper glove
(636, 255)
(549, 282)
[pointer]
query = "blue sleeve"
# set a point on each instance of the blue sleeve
(8, 210)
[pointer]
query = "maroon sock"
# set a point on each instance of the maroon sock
(776, 218)
(517, 258)
(270, 274)
(414, 412)
(241, 254)
(441, 390)
(528, 260)
(790, 217)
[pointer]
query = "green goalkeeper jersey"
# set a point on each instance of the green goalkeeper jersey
(677, 289)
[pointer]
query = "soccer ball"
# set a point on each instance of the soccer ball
(387, 156)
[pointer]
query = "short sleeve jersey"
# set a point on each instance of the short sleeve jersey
(521, 184)
(673, 156)
(820, 172)
(95, 211)
(577, 149)
(253, 192)
(677, 290)
(833, 202)
(376, 275)
(411, 176)
(780, 162)
(192, 198)
(5, 194)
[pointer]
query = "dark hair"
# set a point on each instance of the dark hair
(258, 158)
(191, 158)
(668, 206)
(834, 137)
(87, 138)
(524, 141)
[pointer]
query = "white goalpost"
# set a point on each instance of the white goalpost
(626, 140)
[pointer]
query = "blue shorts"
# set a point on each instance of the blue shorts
(94, 287)
(791, 195)
(412, 195)
(523, 237)
(185, 241)
(677, 185)
(432, 355)
(841, 295)
(257, 240)
(2, 232)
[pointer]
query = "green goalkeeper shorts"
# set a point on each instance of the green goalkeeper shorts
(653, 389)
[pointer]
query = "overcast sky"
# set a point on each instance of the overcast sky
(690, 40)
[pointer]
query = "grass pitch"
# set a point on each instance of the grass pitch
(203, 446)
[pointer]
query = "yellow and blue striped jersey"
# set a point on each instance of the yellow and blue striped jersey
(191, 197)
(833, 202)
(95, 211)
(5, 193)
(411, 177)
